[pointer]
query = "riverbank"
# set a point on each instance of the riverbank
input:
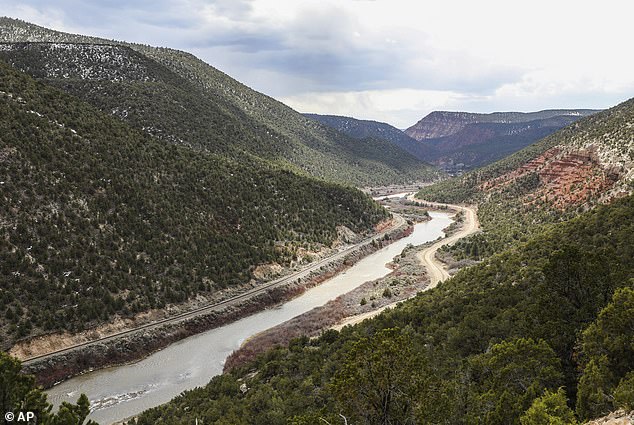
(123, 391)
(465, 223)
(406, 279)
(416, 269)
(134, 345)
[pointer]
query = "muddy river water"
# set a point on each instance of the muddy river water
(120, 392)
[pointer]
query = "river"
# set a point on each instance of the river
(120, 392)
(392, 196)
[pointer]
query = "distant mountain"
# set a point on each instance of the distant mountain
(580, 166)
(459, 140)
(98, 219)
(444, 123)
(598, 148)
(478, 139)
(180, 99)
(362, 129)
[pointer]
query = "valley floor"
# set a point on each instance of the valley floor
(435, 269)
(415, 270)
(57, 357)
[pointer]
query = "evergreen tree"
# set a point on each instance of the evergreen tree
(18, 393)
(550, 409)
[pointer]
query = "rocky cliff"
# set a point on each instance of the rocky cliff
(459, 140)
(445, 123)
(615, 418)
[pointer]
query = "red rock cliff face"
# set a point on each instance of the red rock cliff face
(565, 178)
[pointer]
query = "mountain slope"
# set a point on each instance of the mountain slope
(478, 348)
(362, 129)
(98, 219)
(179, 98)
(478, 139)
(444, 123)
(580, 166)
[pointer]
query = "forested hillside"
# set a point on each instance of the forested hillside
(540, 332)
(99, 219)
(179, 98)
(364, 129)
(585, 164)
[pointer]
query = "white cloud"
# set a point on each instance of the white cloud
(390, 60)
(46, 16)
(400, 107)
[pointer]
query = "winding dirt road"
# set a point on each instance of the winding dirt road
(435, 269)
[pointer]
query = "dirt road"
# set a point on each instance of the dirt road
(435, 269)
(427, 256)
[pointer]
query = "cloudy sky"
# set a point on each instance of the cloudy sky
(386, 60)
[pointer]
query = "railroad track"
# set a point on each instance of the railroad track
(200, 311)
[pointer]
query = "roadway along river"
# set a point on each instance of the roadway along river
(120, 392)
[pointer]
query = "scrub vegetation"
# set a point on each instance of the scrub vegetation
(98, 219)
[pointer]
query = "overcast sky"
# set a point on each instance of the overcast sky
(386, 60)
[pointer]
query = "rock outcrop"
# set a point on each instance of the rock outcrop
(615, 418)
(459, 140)
(444, 123)
(563, 178)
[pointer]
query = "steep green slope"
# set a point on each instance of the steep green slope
(144, 93)
(580, 166)
(363, 129)
(479, 348)
(180, 98)
(97, 218)
(319, 149)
